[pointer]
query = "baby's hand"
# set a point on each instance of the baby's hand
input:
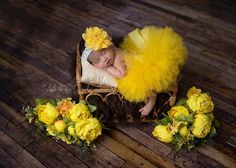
(123, 69)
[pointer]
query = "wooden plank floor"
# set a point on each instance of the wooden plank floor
(37, 59)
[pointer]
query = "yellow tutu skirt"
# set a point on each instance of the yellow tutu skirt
(154, 57)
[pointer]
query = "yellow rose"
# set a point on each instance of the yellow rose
(177, 110)
(163, 133)
(96, 38)
(47, 113)
(183, 131)
(51, 130)
(193, 90)
(88, 129)
(60, 125)
(71, 130)
(79, 112)
(200, 103)
(201, 125)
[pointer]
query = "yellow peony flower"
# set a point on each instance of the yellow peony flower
(183, 131)
(88, 130)
(200, 103)
(60, 125)
(201, 125)
(71, 130)
(79, 112)
(96, 38)
(163, 133)
(47, 113)
(51, 130)
(177, 110)
(193, 90)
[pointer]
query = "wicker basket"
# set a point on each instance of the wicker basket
(112, 107)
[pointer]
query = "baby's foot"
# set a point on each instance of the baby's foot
(149, 105)
(146, 109)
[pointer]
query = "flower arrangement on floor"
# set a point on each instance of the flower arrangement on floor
(66, 120)
(189, 123)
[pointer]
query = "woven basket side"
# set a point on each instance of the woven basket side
(88, 88)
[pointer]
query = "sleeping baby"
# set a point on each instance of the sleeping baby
(147, 62)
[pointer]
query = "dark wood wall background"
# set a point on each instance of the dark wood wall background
(37, 59)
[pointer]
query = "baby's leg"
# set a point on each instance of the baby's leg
(149, 105)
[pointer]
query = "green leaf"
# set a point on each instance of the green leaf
(207, 93)
(82, 101)
(190, 146)
(66, 120)
(181, 101)
(165, 115)
(178, 138)
(53, 102)
(41, 101)
(164, 121)
(71, 124)
(181, 117)
(72, 140)
(216, 123)
(191, 128)
(178, 142)
(92, 108)
(212, 132)
(189, 118)
(178, 146)
(45, 101)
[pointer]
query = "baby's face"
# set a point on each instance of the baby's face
(102, 58)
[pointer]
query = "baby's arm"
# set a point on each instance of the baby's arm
(115, 72)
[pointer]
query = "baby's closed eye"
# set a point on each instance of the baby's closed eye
(103, 52)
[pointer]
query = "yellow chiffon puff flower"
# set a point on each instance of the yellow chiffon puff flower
(176, 125)
(64, 106)
(193, 90)
(60, 125)
(47, 113)
(163, 133)
(201, 125)
(96, 38)
(79, 112)
(177, 110)
(88, 130)
(200, 103)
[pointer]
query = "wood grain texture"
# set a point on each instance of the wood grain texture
(37, 59)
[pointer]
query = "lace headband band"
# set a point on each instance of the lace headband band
(86, 53)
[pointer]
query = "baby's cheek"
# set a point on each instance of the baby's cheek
(101, 66)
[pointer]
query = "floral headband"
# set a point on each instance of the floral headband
(95, 39)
